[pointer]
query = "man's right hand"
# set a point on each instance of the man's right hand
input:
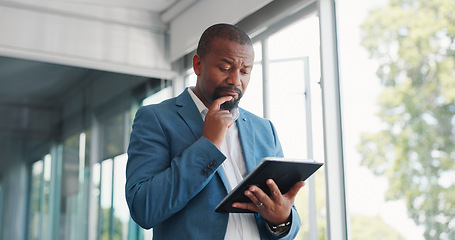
(217, 121)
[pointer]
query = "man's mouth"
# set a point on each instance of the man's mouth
(235, 92)
(231, 92)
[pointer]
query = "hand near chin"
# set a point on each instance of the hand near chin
(217, 121)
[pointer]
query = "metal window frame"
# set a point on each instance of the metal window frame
(332, 124)
(312, 213)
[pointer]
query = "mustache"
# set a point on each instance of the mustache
(228, 88)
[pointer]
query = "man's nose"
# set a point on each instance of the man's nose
(235, 78)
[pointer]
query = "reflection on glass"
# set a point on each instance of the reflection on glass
(35, 223)
(74, 208)
(121, 212)
(70, 186)
(94, 201)
(39, 199)
(46, 195)
(113, 130)
(106, 199)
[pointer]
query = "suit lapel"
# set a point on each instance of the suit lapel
(189, 113)
(247, 140)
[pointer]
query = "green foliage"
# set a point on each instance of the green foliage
(372, 228)
(106, 225)
(302, 206)
(413, 40)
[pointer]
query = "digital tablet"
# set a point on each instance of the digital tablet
(285, 172)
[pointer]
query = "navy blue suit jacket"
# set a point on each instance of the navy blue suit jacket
(173, 183)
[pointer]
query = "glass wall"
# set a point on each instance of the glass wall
(39, 226)
(73, 217)
(114, 213)
(90, 191)
(295, 109)
(397, 79)
(35, 223)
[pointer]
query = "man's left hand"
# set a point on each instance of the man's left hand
(276, 209)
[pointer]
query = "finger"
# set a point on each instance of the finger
(294, 190)
(275, 192)
(252, 197)
(249, 206)
(261, 196)
(217, 103)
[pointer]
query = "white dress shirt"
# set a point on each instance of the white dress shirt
(240, 225)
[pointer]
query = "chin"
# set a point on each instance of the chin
(229, 105)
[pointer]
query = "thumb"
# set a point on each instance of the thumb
(217, 103)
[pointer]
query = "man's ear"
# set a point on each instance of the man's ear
(197, 64)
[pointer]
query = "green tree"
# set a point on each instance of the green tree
(413, 40)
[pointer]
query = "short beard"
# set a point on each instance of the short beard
(228, 105)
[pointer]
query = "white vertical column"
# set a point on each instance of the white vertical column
(265, 78)
(95, 155)
(312, 220)
(54, 194)
(334, 165)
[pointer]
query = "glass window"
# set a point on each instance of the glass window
(74, 188)
(296, 111)
(114, 212)
(39, 199)
(106, 199)
(94, 202)
(35, 223)
(46, 196)
(113, 130)
(120, 208)
(158, 97)
(253, 98)
(397, 80)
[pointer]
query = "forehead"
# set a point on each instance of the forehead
(222, 48)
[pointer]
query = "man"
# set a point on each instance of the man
(188, 152)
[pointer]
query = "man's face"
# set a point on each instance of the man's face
(224, 71)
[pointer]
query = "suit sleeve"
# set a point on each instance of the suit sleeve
(157, 186)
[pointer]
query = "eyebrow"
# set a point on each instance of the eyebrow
(227, 61)
(231, 62)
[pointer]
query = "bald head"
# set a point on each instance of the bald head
(221, 31)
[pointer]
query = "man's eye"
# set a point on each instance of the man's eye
(224, 69)
(245, 72)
